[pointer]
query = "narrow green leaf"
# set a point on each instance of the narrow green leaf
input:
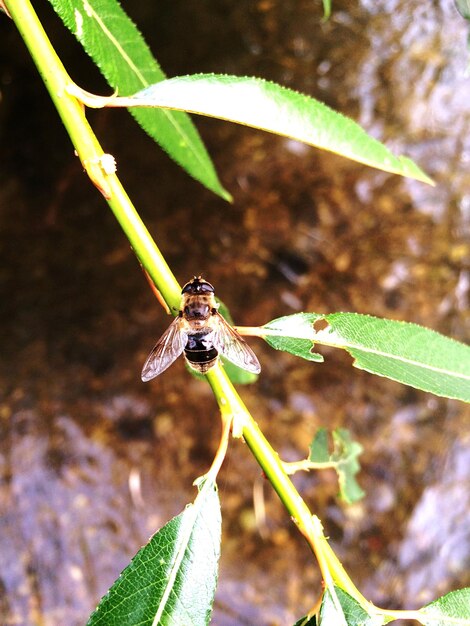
(338, 608)
(117, 47)
(171, 581)
(402, 351)
(294, 334)
(343, 459)
(270, 107)
(452, 609)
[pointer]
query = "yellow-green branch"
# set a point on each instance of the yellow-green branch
(97, 164)
(100, 167)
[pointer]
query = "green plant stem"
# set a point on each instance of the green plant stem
(91, 155)
(89, 150)
(309, 525)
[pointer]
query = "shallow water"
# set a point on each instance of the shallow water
(92, 461)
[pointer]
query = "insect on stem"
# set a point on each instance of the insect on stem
(201, 333)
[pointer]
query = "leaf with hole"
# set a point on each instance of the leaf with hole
(294, 334)
(402, 351)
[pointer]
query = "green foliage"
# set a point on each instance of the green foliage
(343, 459)
(452, 609)
(463, 7)
(339, 609)
(237, 375)
(117, 47)
(171, 581)
(402, 351)
(276, 109)
(294, 334)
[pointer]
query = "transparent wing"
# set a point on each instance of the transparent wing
(232, 346)
(167, 349)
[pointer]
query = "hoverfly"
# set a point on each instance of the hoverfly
(201, 333)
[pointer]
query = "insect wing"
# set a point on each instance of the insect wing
(232, 346)
(167, 349)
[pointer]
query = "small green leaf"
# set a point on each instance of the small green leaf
(237, 375)
(294, 334)
(402, 351)
(338, 608)
(452, 609)
(171, 581)
(343, 459)
(347, 466)
(117, 47)
(319, 451)
(267, 106)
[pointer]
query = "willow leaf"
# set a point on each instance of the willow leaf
(118, 48)
(340, 609)
(452, 609)
(405, 352)
(172, 579)
(267, 106)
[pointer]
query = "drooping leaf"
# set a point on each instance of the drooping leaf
(402, 351)
(171, 581)
(117, 47)
(267, 106)
(452, 609)
(338, 608)
(343, 459)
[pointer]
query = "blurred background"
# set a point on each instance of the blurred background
(92, 461)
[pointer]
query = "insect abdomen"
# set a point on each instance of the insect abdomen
(200, 353)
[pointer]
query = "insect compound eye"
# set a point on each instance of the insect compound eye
(197, 285)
